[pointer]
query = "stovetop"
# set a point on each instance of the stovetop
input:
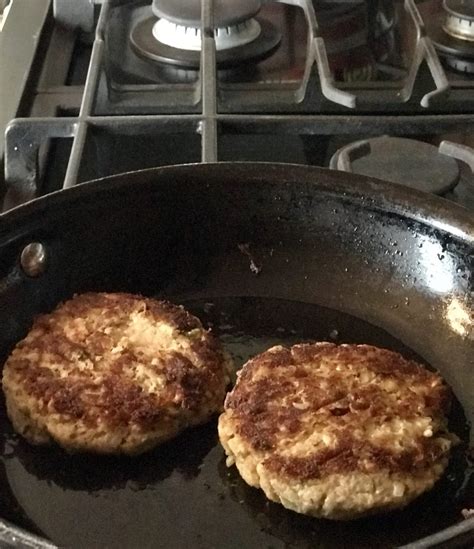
(88, 92)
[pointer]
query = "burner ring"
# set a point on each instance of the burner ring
(189, 38)
(459, 19)
(147, 46)
(458, 28)
(459, 64)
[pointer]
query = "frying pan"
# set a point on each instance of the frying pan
(263, 254)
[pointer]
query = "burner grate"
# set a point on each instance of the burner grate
(409, 162)
(24, 136)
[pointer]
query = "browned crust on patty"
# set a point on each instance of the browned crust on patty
(75, 363)
(338, 389)
(353, 455)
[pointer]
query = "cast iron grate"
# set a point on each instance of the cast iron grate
(24, 136)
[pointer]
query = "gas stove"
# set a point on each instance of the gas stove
(97, 87)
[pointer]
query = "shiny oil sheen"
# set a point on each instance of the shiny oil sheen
(182, 494)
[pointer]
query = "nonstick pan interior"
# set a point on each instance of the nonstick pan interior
(275, 260)
(183, 495)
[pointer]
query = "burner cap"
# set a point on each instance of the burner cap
(226, 13)
(459, 19)
(245, 42)
(412, 163)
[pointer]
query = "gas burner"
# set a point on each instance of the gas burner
(459, 19)
(408, 162)
(451, 28)
(173, 33)
(226, 13)
(189, 38)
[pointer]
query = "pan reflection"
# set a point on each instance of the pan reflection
(437, 266)
(98, 501)
(460, 317)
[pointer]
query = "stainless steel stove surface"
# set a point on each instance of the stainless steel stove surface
(101, 87)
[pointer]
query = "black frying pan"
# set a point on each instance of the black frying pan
(263, 254)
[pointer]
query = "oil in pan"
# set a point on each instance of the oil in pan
(182, 494)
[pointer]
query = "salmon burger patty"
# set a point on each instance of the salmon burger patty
(113, 373)
(337, 431)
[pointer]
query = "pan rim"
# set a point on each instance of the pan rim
(376, 193)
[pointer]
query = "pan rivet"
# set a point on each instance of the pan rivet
(33, 259)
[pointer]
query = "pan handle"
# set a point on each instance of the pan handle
(12, 536)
